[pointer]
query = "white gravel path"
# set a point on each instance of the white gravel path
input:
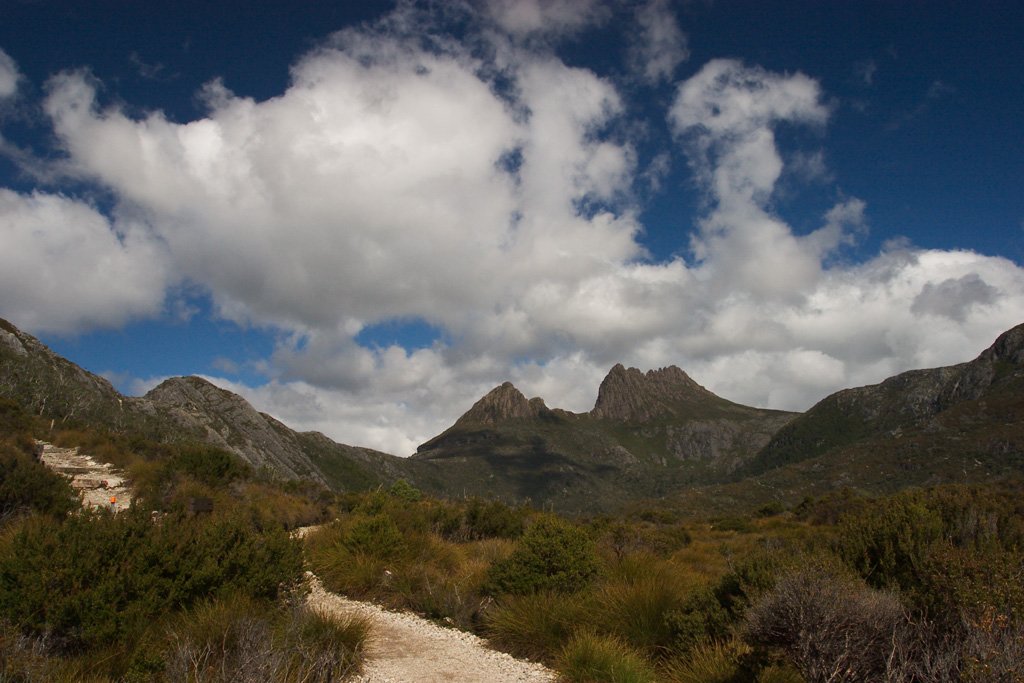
(405, 648)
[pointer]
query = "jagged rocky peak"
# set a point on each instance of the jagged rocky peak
(503, 403)
(182, 391)
(629, 394)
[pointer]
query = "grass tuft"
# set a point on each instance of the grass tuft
(592, 658)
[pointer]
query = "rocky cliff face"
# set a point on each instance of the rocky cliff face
(503, 403)
(630, 395)
(228, 421)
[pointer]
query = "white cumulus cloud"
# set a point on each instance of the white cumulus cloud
(65, 268)
(489, 195)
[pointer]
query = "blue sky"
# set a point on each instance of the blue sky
(362, 216)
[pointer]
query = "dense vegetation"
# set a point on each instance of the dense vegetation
(923, 585)
(156, 593)
(926, 585)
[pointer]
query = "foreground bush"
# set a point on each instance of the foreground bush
(640, 601)
(831, 626)
(96, 579)
(709, 662)
(536, 625)
(29, 486)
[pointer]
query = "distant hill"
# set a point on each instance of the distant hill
(972, 407)
(648, 434)
(957, 424)
(655, 435)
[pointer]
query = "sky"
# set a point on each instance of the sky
(362, 216)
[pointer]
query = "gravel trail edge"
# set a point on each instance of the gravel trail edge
(405, 648)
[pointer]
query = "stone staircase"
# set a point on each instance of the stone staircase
(100, 484)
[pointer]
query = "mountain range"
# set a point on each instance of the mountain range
(655, 435)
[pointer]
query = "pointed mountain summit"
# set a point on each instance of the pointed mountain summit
(631, 395)
(502, 403)
(648, 434)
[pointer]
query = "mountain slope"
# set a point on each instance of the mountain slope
(182, 409)
(939, 403)
(654, 435)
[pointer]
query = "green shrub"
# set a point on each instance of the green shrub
(403, 490)
(889, 543)
(209, 465)
(30, 486)
(13, 419)
(95, 579)
(740, 525)
(493, 519)
(749, 577)
(592, 658)
(377, 537)
(770, 509)
(552, 554)
(699, 619)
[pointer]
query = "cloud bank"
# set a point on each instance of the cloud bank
(486, 188)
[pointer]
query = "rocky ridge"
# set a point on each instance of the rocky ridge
(914, 401)
(181, 409)
(502, 403)
(631, 395)
(228, 421)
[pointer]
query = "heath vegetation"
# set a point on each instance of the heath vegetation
(922, 585)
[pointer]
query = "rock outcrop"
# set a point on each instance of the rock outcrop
(503, 403)
(228, 421)
(630, 395)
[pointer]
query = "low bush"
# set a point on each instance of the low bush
(536, 625)
(376, 536)
(637, 602)
(831, 626)
(552, 554)
(95, 579)
(209, 465)
(712, 662)
(622, 538)
(238, 639)
(700, 618)
(29, 486)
